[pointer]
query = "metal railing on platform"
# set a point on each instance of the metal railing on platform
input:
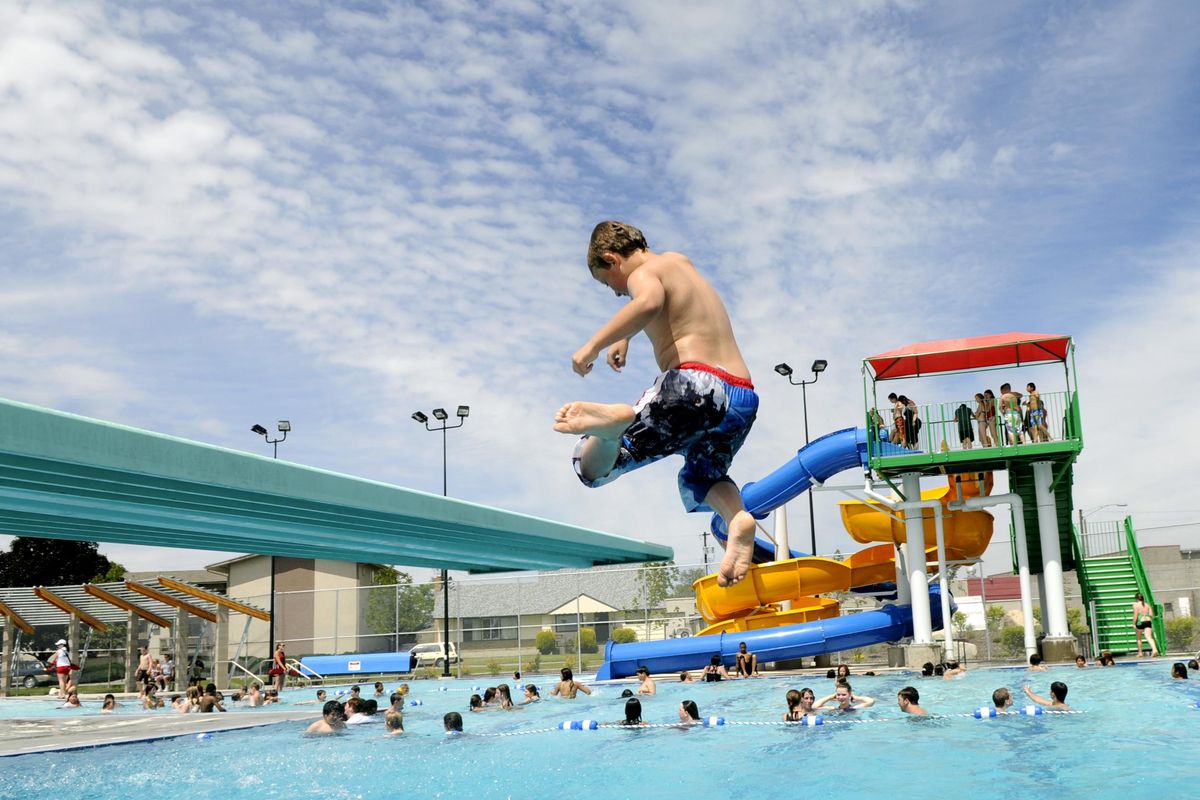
(963, 425)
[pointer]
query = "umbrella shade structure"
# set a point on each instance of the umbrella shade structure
(969, 354)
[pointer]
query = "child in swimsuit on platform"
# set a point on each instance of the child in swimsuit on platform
(701, 406)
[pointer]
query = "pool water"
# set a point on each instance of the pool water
(1138, 738)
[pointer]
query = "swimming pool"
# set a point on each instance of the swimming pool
(1138, 739)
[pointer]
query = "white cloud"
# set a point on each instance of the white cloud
(398, 204)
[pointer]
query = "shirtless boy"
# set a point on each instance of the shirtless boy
(701, 406)
(647, 685)
(1037, 414)
(333, 719)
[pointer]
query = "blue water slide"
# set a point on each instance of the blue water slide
(816, 462)
(888, 624)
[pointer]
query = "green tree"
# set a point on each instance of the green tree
(623, 635)
(587, 640)
(684, 579)
(51, 562)
(397, 605)
(114, 574)
(546, 642)
(961, 626)
(654, 582)
(1180, 633)
(995, 617)
(1012, 639)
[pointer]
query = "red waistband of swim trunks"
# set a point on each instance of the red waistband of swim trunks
(728, 377)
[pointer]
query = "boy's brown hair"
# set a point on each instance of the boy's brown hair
(611, 236)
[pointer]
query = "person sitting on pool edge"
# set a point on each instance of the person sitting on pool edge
(567, 687)
(908, 699)
(747, 662)
(647, 685)
(453, 723)
(1058, 696)
(844, 697)
(333, 719)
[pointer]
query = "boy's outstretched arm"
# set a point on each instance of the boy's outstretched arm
(647, 297)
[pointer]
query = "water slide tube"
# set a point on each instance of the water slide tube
(888, 624)
(814, 463)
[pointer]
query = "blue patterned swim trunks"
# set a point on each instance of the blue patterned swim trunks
(700, 412)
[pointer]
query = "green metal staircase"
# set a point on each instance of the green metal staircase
(1020, 481)
(1109, 581)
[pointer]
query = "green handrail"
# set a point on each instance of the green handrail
(1085, 584)
(1143, 584)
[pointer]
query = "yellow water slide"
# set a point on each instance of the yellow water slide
(754, 603)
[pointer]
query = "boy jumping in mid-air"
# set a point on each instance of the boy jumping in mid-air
(701, 406)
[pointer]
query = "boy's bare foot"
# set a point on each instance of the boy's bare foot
(739, 550)
(605, 421)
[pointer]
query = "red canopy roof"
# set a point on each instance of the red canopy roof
(977, 352)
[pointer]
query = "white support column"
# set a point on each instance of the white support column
(1043, 603)
(6, 653)
(783, 549)
(220, 667)
(181, 651)
(1054, 612)
(903, 595)
(73, 639)
(130, 651)
(914, 534)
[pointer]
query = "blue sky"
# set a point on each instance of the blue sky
(338, 214)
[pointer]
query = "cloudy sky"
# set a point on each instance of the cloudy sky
(214, 215)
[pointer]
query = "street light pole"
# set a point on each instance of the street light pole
(441, 416)
(818, 366)
(284, 427)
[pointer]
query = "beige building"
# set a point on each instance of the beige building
(319, 604)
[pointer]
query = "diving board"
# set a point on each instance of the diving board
(64, 476)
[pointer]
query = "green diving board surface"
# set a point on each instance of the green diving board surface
(64, 476)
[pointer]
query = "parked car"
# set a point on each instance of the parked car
(30, 672)
(433, 655)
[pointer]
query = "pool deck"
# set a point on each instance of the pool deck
(45, 734)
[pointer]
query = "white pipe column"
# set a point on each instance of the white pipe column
(220, 662)
(181, 651)
(1054, 613)
(1017, 507)
(903, 593)
(914, 546)
(6, 654)
(1043, 601)
(783, 550)
(943, 582)
(130, 651)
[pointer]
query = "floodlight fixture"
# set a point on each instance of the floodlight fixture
(440, 414)
(259, 429)
(819, 365)
(420, 417)
(284, 426)
(783, 369)
(464, 411)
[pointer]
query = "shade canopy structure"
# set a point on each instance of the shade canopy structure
(103, 604)
(965, 355)
(64, 476)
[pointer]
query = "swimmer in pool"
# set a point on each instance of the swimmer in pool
(567, 687)
(715, 671)
(909, 701)
(800, 704)
(647, 685)
(333, 720)
(689, 714)
(844, 700)
(1058, 696)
